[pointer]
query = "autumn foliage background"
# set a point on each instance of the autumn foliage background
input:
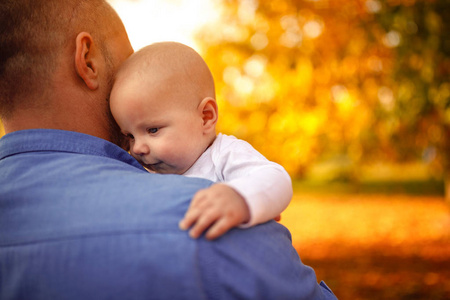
(353, 99)
(349, 83)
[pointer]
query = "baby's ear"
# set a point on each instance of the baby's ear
(209, 113)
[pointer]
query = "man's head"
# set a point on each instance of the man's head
(52, 54)
(163, 98)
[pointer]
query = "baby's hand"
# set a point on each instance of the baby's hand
(218, 208)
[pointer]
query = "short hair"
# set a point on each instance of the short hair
(33, 34)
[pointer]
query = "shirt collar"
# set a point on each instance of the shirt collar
(37, 140)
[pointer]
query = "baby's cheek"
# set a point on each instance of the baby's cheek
(171, 152)
(175, 156)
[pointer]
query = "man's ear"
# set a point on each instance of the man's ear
(86, 60)
(209, 113)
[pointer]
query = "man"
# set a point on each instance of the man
(79, 217)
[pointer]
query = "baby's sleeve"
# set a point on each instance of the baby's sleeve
(265, 185)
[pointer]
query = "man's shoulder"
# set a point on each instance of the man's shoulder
(81, 195)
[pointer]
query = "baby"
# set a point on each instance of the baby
(163, 99)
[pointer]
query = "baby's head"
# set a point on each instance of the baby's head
(163, 99)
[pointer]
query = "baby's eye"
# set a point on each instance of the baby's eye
(152, 130)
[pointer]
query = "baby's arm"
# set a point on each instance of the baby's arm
(265, 185)
(216, 210)
(267, 191)
(255, 190)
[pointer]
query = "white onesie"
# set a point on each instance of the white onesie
(265, 185)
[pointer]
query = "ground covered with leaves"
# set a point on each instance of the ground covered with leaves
(374, 246)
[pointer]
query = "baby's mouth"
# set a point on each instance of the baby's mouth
(154, 167)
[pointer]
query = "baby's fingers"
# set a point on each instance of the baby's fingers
(194, 211)
(190, 218)
(220, 227)
(202, 223)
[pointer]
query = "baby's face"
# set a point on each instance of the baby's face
(165, 137)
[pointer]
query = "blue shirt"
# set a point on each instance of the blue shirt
(81, 219)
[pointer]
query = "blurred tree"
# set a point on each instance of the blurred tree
(304, 80)
(419, 82)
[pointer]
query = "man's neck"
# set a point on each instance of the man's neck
(31, 119)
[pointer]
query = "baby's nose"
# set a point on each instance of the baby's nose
(140, 148)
